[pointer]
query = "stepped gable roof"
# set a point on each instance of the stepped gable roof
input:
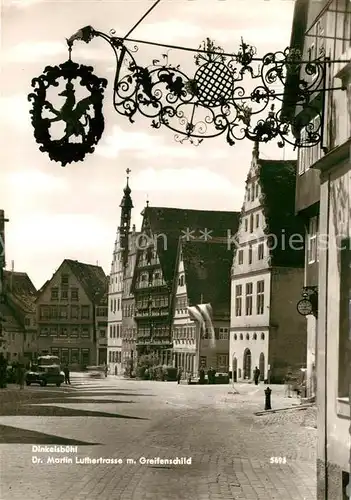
(21, 287)
(207, 268)
(92, 278)
(174, 223)
(277, 179)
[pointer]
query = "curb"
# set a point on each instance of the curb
(299, 407)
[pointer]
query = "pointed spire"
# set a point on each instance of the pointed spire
(126, 202)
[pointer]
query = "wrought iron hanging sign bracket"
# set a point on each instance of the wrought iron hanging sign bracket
(214, 101)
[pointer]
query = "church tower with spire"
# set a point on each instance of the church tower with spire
(117, 274)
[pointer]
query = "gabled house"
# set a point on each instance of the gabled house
(20, 295)
(153, 283)
(67, 313)
(202, 277)
(267, 276)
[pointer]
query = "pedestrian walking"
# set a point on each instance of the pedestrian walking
(256, 375)
(287, 382)
(179, 375)
(66, 372)
(3, 371)
(21, 375)
(201, 375)
(106, 370)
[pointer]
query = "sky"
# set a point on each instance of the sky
(73, 212)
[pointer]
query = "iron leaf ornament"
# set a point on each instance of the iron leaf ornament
(82, 119)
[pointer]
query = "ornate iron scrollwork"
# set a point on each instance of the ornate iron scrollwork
(220, 98)
(82, 119)
(214, 101)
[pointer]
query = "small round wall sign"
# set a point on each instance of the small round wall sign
(304, 307)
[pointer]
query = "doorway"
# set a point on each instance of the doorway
(247, 364)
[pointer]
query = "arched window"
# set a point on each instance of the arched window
(247, 336)
(241, 336)
(255, 336)
(181, 280)
(262, 336)
(235, 336)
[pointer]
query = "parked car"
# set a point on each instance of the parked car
(46, 371)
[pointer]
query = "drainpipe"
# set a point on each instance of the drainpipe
(326, 350)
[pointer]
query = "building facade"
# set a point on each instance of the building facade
(118, 268)
(129, 327)
(66, 313)
(203, 277)
(267, 276)
(154, 283)
(325, 171)
(20, 296)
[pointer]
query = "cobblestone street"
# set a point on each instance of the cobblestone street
(233, 451)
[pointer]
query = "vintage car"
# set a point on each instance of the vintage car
(46, 371)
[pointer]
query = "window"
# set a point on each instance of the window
(255, 336)
(262, 336)
(251, 223)
(85, 332)
(241, 336)
(74, 333)
(247, 336)
(253, 192)
(118, 304)
(238, 299)
(235, 336)
(114, 305)
(85, 357)
(257, 220)
(223, 334)
(74, 312)
(257, 190)
(74, 356)
(248, 302)
(102, 334)
(85, 312)
(53, 331)
(54, 312)
(246, 224)
(54, 294)
(110, 331)
(345, 318)
(260, 297)
(63, 331)
(44, 312)
(248, 193)
(222, 363)
(64, 294)
(312, 238)
(64, 356)
(250, 255)
(64, 279)
(308, 156)
(260, 251)
(181, 280)
(74, 293)
(241, 257)
(63, 312)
